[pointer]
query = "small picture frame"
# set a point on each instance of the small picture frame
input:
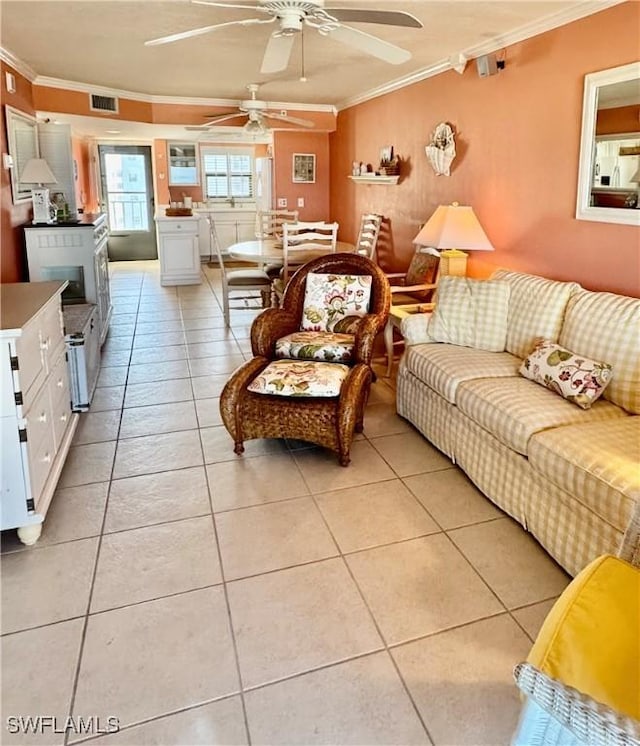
(304, 168)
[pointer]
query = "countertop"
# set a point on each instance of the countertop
(19, 301)
(87, 219)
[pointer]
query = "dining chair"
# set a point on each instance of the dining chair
(308, 238)
(368, 235)
(242, 283)
(419, 282)
(269, 222)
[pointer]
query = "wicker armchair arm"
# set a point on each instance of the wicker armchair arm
(233, 388)
(368, 328)
(268, 327)
(590, 721)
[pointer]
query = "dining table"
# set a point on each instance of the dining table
(269, 251)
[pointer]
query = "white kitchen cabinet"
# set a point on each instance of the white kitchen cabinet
(35, 407)
(183, 164)
(178, 250)
(76, 252)
(232, 226)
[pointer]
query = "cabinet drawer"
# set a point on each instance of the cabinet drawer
(40, 462)
(51, 331)
(38, 419)
(60, 400)
(179, 226)
(31, 361)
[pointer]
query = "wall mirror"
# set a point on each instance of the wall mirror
(22, 141)
(609, 172)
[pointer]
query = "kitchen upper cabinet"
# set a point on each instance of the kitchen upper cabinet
(183, 164)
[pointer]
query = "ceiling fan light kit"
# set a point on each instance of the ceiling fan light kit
(293, 15)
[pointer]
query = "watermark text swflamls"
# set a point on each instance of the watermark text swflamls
(92, 725)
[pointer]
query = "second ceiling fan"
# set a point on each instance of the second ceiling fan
(256, 112)
(291, 15)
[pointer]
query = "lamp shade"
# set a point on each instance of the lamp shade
(454, 227)
(37, 171)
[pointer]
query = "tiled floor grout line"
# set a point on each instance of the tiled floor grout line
(374, 621)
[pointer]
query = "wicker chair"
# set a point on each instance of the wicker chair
(275, 323)
(327, 421)
(556, 714)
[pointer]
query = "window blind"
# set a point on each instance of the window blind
(228, 173)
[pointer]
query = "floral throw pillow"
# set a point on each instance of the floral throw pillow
(574, 377)
(335, 303)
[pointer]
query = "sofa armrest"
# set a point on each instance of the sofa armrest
(415, 329)
(574, 714)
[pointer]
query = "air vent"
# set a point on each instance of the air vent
(103, 103)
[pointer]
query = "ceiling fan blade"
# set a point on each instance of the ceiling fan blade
(224, 117)
(386, 17)
(291, 120)
(372, 45)
(226, 5)
(202, 30)
(277, 54)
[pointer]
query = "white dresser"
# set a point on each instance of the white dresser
(35, 408)
(76, 252)
(178, 250)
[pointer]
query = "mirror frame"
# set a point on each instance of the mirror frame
(584, 209)
(17, 120)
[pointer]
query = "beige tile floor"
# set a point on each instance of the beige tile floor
(276, 598)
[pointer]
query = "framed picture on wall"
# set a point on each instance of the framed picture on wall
(304, 168)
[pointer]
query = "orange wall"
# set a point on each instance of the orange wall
(622, 119)
(518, 144)
(12, 217)
(316, 196)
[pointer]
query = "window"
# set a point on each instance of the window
(228, 173)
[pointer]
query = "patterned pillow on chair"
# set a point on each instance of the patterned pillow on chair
(328, 347)
(335, 303)
(422, 270)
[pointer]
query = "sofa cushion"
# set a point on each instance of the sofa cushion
(606, 327)
(335, 303)
(297, 378)
(514, 409)
(575, 377)
(536, 309)
(324, 346)
(471, 313)
(597, 462)
(444, 367)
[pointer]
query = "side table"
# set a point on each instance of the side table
(396, 314)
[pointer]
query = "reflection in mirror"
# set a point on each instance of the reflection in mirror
(608, 182)
(22, 141)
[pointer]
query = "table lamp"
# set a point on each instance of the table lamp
(37, 171)
(453, 229)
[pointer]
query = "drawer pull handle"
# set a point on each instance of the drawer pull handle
(63, 417)
(43, 417)
(47, 458)
(60, 383)
(44, 345)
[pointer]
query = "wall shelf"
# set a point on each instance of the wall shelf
(373, 179)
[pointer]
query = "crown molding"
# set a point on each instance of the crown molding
(71, 85)
(567, 15)
(18, 65)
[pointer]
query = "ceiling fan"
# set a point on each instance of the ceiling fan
(293, 14)
(256, 111)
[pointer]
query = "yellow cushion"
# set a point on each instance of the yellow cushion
(591, 638)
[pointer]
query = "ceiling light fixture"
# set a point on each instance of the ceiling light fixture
(255, 127)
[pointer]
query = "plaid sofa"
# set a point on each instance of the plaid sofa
(570, 476)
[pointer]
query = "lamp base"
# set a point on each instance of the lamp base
(453, 263)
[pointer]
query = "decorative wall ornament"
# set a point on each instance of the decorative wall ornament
(442, 149)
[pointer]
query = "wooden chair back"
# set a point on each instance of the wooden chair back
(312, 239)
(269, 222)
(368, 235)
